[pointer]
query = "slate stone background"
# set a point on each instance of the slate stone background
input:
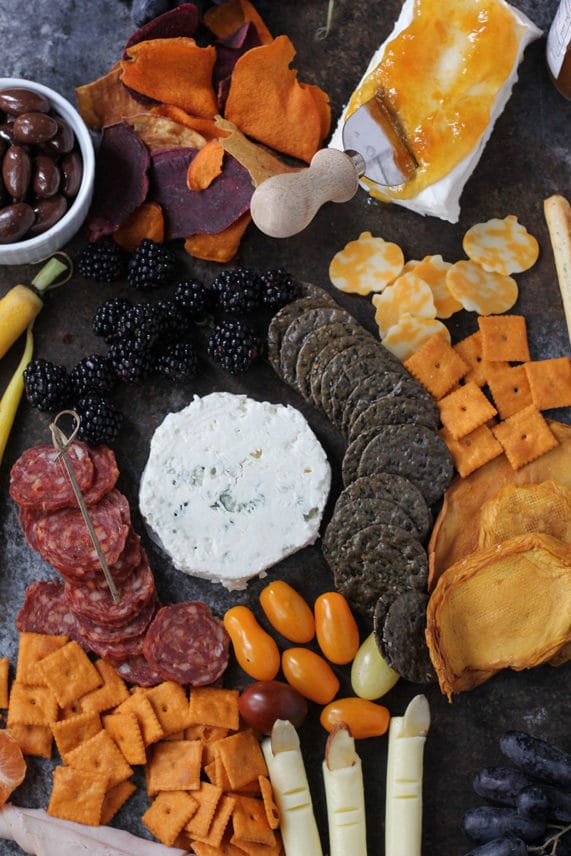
(64, 43)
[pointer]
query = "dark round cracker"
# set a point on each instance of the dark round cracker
(350, 517)
(325, 355)
(314, 343)
(283, 318)
(353, 454)
(393, 410)
(299, 330)
(403, 638)
(413, 451)
(394, 488)
(343, 371)
(374, 386)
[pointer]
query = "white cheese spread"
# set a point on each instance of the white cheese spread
(233, 485)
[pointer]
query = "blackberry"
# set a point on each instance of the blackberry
(140, 325)
(103, 261)
(99, 420)
(178, 361)
(107, 317)
(130, 363)
(93, 374)
(151, 265)
(234, 346)
(237, 290)
(172, 318)
(47, 385)
(278, 288)
(193, 297)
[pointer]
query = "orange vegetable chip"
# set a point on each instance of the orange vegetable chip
(410, 333)
(268, 103)
(504, 337)
(215, 706)
(365, 265)
(115, 797)
(407, 295)
(175, 71)
(168, 815)
(504, 246)
(100, 754)
(71, 733)
(550, 382)
(77, 795)
(509, 387)
(161, 132)
(105, 101)
(433, 270)
(464, 410)
(4, 674)
(205, 166)
(220, 247)
(223, 20)
(437, 366)
(174, 766)
(525, 436)
(31, 705)
(69, 673)
(207, 129)
(518, 509)
(484, 292)
(146, 221)
(470, 349)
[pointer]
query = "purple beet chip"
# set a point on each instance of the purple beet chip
(191, 212)
(228, 52)
(181, 21)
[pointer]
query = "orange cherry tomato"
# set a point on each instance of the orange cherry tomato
(288, 612)
(335, 627)
(310, 675)
(255, 650)
(364, 718)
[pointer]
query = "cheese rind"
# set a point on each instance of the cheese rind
(233, 485)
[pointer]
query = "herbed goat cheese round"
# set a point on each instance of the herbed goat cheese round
(232, 486)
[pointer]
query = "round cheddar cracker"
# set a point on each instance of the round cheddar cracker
(503, 246)
(365, 265)
(481, 291)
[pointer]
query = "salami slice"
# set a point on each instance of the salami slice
(63, 539)
(104, 633)
(93, 600)
(45, 610)
(186, 643)
(117, 651)
(105, 476)
(136, 670)
(123, 567)
(39, 480)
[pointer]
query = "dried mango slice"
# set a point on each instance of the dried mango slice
(410, 332)
(366, 265)
(433, 270)
(408, 294)
(479, 620)
(481, 291)
(503, 246)
(175, 71)
(515, 510)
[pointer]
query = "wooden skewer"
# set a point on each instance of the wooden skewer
(557, 212)
(62, 444)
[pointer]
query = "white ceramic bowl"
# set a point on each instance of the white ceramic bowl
(38, 248)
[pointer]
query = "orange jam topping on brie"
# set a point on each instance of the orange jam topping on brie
(441, 75)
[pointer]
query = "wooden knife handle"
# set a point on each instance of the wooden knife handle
(285, 204)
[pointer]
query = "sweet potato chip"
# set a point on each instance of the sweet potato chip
(368, 264)
(228, 52)
(472, 451)
(550, 382)
(504, 337)
(503, 246)
(407, 295)
(465, 409)
(410, 333)
(437, 366)
(106, 101)
(146, 221)
(77, 795)
(205, 166)
(479, 607)
(525, 436)
(268, 103)
(161, 132)
(433, 270)
(223, 20)
(4, 673)
(207, 128)
(173, 71)
(517, 510)
(180, 21)
(481, 291)
(259, 162)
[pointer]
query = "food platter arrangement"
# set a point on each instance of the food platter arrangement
(284, 438)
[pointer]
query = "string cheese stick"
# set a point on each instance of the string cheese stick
(291, 791)
(343, 780)
(403, 818)
(557, 212)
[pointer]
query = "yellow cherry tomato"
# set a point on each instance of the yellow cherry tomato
(335, 627)
(371, 677)
(364, 718)
(255, 650)
(288, 612)
(310, 675)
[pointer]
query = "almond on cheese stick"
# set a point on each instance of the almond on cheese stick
(343, 780)
(291, 791)
(557, 212)
(403, 818)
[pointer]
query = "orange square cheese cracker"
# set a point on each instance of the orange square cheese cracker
(473, 450)
(115, 797)
(525, 436)
(437, 366)
(100, 754)
(125, 730)
(112, 692)
(550, 382)
(170, 704)
(208, 734)
(202, 848)
(175, 71)
(74, 731)
(242, 758)
(168, 814)
(4, 677)
(481, 291)
(33, 647)
(504, 338)
(270, 807)
(214, 706)
(207, 798)
(470, 349)
(250, 822)
(69, 673)
(33, 739)
(31, 705)
(77, 795)
(253, 848)
(218, 825)
(141, 706)
(465, 409)
(174, 765)
(509, 387)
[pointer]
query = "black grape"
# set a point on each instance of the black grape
(501, 847)
(559, 803)
(537, 757)
(533, 802)
(488, 822)
(500, 784)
